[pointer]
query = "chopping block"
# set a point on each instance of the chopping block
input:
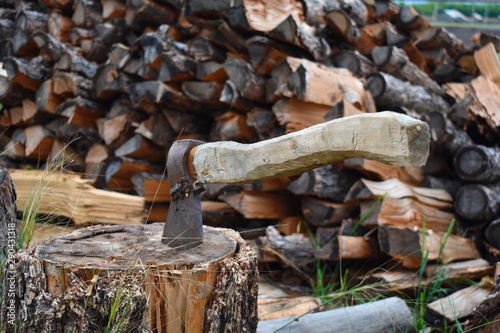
(181, 276)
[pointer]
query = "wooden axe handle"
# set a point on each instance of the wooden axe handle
(388, 137)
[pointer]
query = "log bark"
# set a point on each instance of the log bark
(408, 246)
(158, 298)
(457, 306)
(394, 61)
(392, 314)
(390, 93)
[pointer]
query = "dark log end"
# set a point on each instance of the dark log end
(470, 163)
(472, 203)
(376, 84)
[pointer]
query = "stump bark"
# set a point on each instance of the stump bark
(123, 279)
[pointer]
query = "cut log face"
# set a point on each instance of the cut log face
(166, 290)
(478, 164)
(478, 202)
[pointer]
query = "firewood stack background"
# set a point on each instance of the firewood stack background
(111, 84)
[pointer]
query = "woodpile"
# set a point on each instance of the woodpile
(109, 85)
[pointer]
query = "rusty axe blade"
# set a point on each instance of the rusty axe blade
(388, 137)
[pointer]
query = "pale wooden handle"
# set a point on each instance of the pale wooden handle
(387, 137)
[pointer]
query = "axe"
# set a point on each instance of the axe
(388, 137)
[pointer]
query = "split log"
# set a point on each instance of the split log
(39, 142)
(118, 127)
(231, 96)
(343, 26)
(478, 164)
(457, 306)
(70, 196)
(291, 113)
(201, 50)
(232, 126)
(25, 114)
(307, 84)
(87, 13)
(157, 129)
(295, 251)
(447, 137)
(394, 38)
(345, 242)
(153, 187)
(81, 112)
(343, 108)
(394, 61)
(372, 35)
(446, 72)
(220, 215)
(293, 30)
(70, 61)
(141, 148)
(474, 269)
(291, 225)
(46, 99)
(354, 61)
(262, 205)
(434, 38)
(249, 85)
(478, 202)
(380, 171)
(485, 317)
(264, 122)
(94, 161)
(71, 84)
(322, 213)
(286, 306)
(381, 316)
(265, 54)
(117, 172)
(367, 189)
(409, 213)
(408, 246)
(389, 93)
(492, 234)
(141, 13)
(205, 92)
(328, 182)
(411, 20)
(28, 74)
(153, 292)
(108, 82)
(482, 39)
(277, 86)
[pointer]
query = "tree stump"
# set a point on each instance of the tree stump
(123, 279)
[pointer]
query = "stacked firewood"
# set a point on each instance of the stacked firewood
(111, 84)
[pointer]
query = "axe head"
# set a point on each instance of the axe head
(184, 227)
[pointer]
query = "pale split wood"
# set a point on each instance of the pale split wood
(394, 188)
(70, 196)
(265, 15)
(488, 62)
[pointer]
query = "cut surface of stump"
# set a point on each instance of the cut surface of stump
(80, 277)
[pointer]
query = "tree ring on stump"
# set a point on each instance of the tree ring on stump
(126, 246)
